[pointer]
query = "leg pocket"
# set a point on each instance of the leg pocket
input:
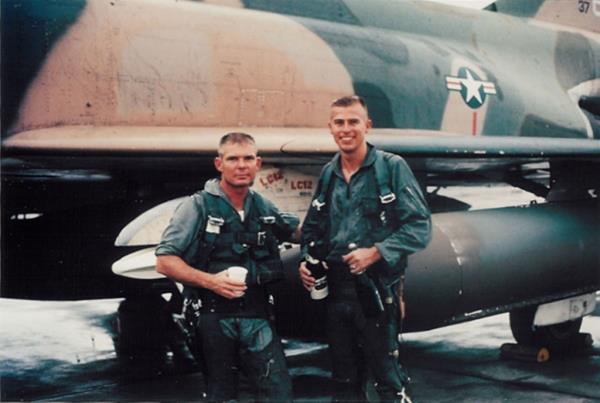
(265, 362)
(259, 335)
(274, 383)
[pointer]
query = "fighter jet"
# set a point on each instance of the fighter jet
(111, 110)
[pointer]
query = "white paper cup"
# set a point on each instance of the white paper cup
(237, 273)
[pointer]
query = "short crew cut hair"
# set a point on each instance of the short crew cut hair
(349, 100)
(236, 138)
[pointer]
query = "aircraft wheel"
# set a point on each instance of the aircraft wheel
(521, 325)
(141, 326)
(557, 336)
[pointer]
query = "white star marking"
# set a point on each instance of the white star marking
(472, 87)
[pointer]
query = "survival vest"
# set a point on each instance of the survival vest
(227, 241)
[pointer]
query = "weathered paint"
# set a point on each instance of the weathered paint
(581, 14)
(175, 65)
(30, 31)
(224, 64)
(123, 106)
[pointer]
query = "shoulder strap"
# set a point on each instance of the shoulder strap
(263, 215)
(320, 202)
(260, 205)
(260, 220)
(382, 177)
(214, 221)
(213, 209)
(264, 224)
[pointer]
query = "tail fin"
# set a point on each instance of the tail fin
(581, 14)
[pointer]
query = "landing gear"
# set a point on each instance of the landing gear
(142, 325)
(147, 334)
(556, 337)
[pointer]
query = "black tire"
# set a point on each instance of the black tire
(555, 336)
(521, 325)
(141, 326)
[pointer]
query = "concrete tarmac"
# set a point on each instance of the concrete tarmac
(64, 351)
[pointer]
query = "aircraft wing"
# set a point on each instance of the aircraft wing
(98, 153)
(436, 144)
(277, 143)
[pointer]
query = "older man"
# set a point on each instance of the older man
(228, 225)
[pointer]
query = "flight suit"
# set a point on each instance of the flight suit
(235, 334)
(362, 311)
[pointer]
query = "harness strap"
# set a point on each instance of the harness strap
(259, 238)
(382, 177)
(320, 202)
(382, 180)
(386, 196)
(264, 223)
(257, 225)
(212, 230)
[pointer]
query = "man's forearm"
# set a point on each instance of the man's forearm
(408, 239)
(178, 270)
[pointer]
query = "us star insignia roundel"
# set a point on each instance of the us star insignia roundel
(472, 89)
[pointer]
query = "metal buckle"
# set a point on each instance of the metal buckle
(317, 204)
(216, 220)
(388, 198)
(268, 220)
(261, 237)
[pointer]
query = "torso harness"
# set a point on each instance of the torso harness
(227, 241)
(387, 199)
(385, 223)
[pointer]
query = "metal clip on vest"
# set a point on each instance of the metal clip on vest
(317, 204)
(388, 198)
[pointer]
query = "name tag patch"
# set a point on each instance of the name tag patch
(213, 225)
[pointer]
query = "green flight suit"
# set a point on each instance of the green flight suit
(354, 214)
(208, 233)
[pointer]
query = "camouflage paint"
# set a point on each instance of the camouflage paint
(30, 29)
(380, 62)
(399, 55)
(580, 14)
(519, 8)
(175, 65)
(203, 65)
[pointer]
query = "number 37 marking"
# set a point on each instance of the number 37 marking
(584, 6)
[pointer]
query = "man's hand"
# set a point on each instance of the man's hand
(308, 281)
(360, 259)
(178, 270)
(224, 286)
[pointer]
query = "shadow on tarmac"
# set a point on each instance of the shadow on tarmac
(64, 351)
